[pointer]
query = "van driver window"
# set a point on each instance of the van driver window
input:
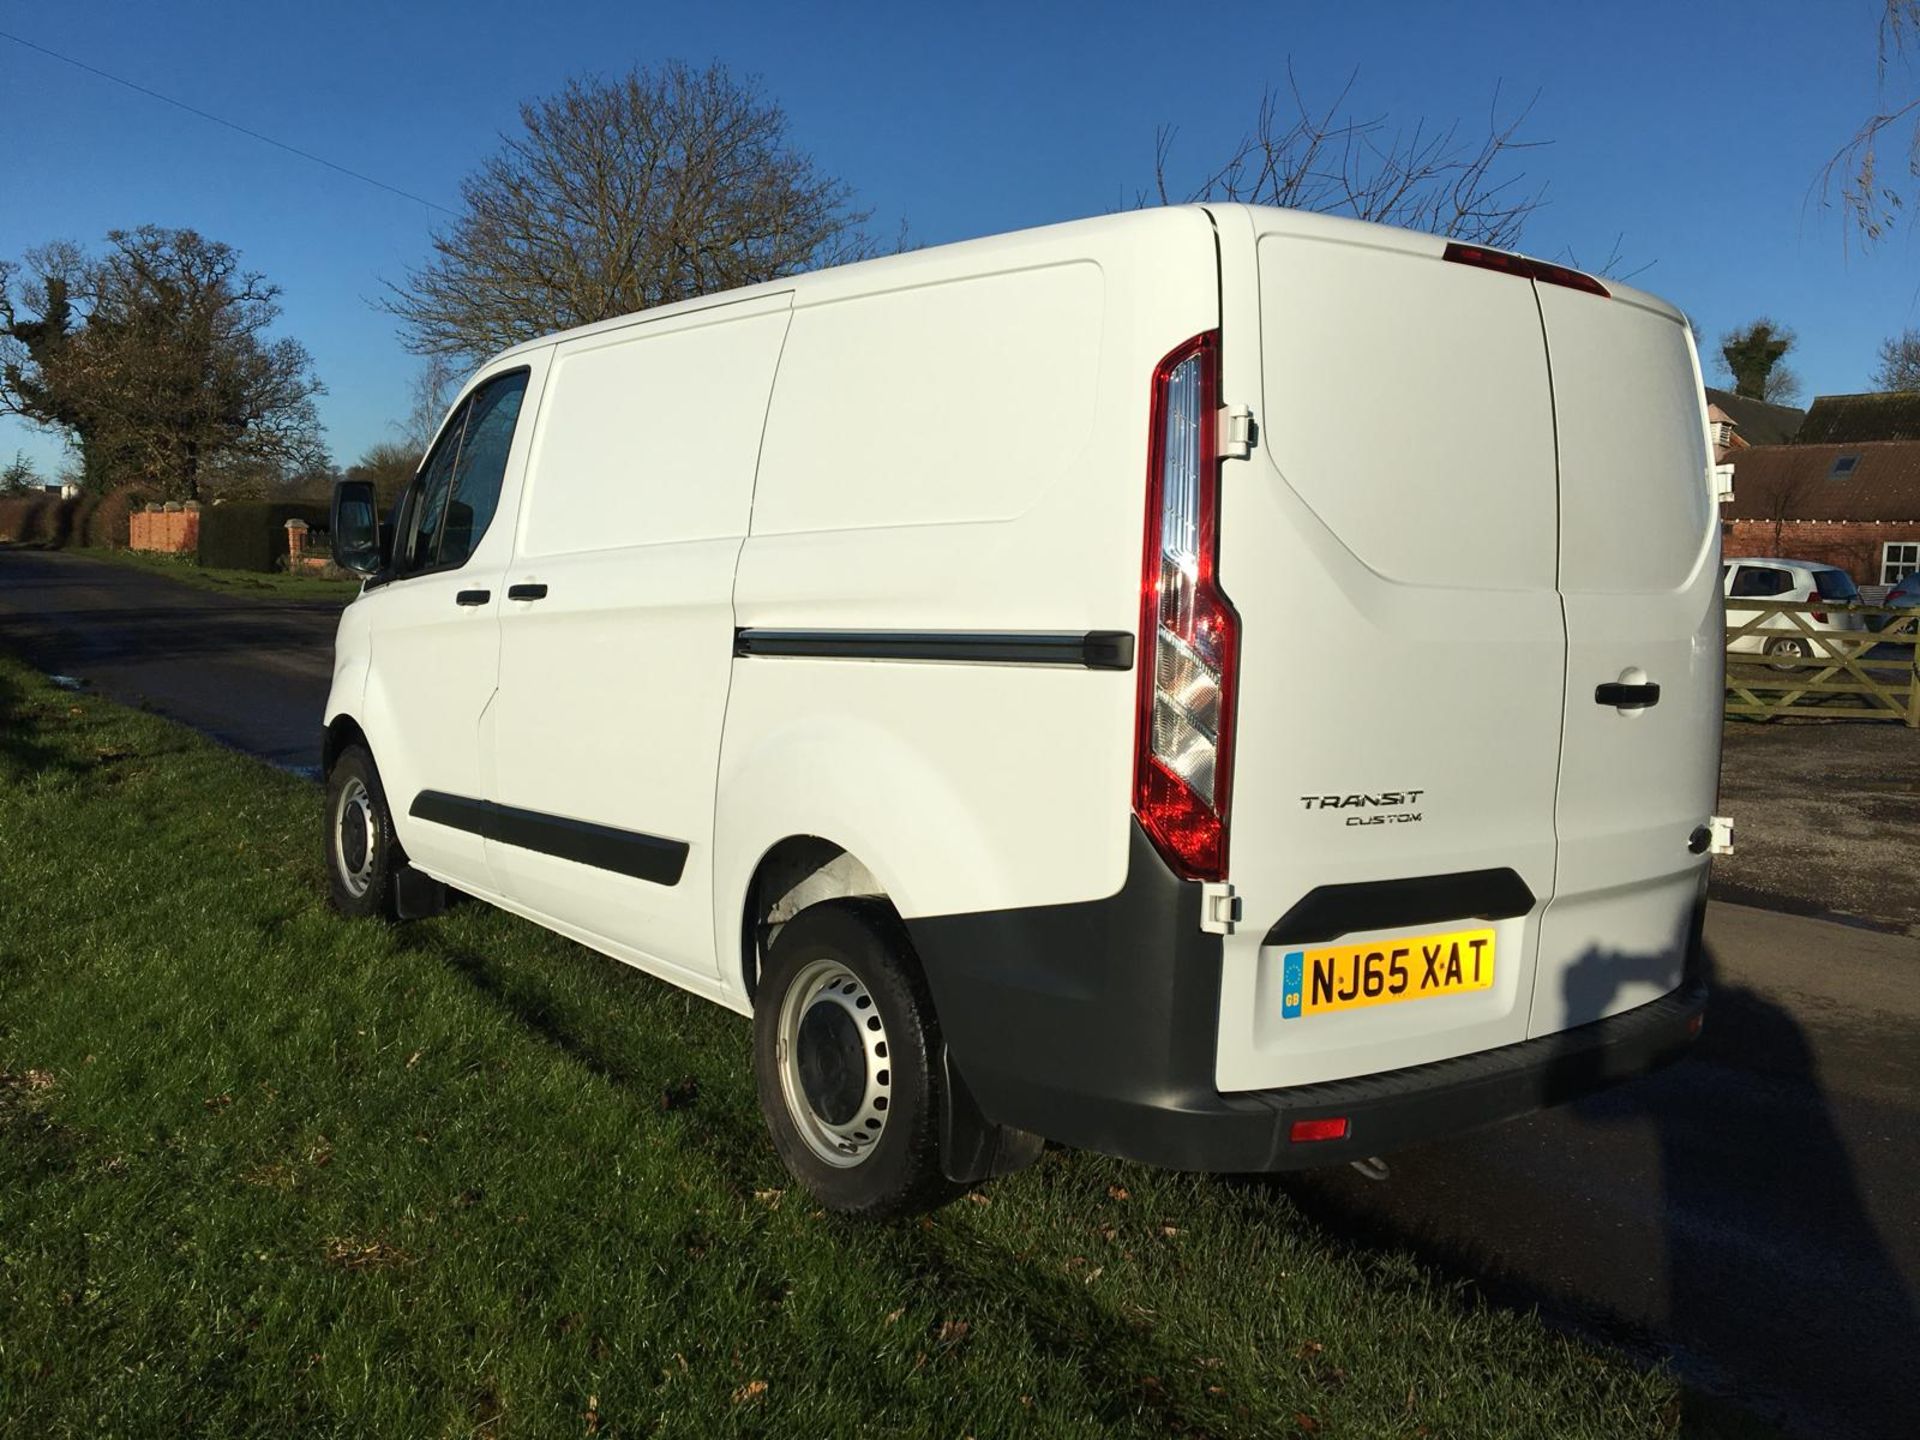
(481, 465)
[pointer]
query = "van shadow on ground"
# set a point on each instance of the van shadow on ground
(1710, 1216)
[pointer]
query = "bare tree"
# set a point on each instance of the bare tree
(1873, 174)
(616, 196)
(1899, 367)
(427, 401)
(1420, 176)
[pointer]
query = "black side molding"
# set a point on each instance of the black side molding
(1091, 649)
(625, 852)
(1335, 910)
(1626, 697)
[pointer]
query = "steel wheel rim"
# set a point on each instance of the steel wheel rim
(354, 837)
(833, 1059)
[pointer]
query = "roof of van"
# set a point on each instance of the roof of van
(889, 271)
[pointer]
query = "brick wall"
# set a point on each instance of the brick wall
(173, 532)
(1853, 545)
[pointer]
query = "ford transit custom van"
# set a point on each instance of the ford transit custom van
(1226, 687)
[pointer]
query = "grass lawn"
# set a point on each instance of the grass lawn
(190, 571)
(265, 1172)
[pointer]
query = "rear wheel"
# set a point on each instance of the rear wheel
(846, 1059)
(362, 854)
(1787, 653)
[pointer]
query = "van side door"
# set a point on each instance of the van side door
(434, 623)
(617, 632)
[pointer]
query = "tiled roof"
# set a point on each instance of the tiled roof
(1855, 419)
(1759, 422)
(1797, 482)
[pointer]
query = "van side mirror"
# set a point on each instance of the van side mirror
(355, 528)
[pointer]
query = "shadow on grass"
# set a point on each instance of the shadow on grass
(20, 735)
(1129, 1374)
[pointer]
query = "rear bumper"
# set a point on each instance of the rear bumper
(1094, 1025)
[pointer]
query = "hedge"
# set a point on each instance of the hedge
(251, 534)
(51, 522)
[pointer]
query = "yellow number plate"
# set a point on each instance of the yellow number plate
(1345, 977)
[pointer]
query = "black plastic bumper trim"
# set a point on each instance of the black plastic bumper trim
(1090, 649)
(625, 852)
(1331, 911)
(1096, 1024)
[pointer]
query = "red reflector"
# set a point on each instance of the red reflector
(1334, 1129)
(1508, 263)
(1693, 1025)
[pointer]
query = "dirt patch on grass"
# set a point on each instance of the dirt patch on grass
(1826, 821)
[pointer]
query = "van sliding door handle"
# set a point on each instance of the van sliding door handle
(526, 592)
(1626, 697)
(473, 597)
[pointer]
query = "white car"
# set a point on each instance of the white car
(1227, 687)
(1781, 636)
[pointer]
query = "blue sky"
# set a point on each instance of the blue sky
(1695, 130)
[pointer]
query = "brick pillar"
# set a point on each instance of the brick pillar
(296, 539)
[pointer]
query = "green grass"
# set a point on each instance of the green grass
(266, 1172)
(189, 571)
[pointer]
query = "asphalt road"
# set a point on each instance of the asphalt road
(1748, 1216)
(252, 673)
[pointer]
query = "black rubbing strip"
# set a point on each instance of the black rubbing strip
(1090, 649)
(625, 852)
(1335, 910)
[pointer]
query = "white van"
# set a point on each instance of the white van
(799, 646)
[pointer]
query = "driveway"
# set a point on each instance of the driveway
(1747, 1215)
(251, 673)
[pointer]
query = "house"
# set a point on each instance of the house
(1740, 423)
(1842, 419)
(1854, 504)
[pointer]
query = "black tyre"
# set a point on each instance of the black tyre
(846, 1053)
(363, 856)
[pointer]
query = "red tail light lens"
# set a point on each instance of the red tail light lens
(1189, 633)
(1508, 263)
(1330, 1129)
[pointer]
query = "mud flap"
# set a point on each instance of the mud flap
(417, 896)
(972, 1147)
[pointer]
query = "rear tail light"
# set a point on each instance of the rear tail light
(1819, 617)
(1333, 1128)
(1507, 263)
(1189, 633)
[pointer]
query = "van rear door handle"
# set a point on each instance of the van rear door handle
(526, 592)
(1626, 697)
(473, 597)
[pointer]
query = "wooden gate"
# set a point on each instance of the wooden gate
(1783, 661)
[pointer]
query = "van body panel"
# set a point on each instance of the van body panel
(1390, 547)
(433, 667)
(975, 786)
(614, 683)
(1641, 581)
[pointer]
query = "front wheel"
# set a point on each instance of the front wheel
(363, 857)
(845, 1053)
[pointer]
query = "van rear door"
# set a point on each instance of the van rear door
(1391, 547)
(1640, 580)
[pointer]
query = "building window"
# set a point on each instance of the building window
(1899, 561)
(1842, 467)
